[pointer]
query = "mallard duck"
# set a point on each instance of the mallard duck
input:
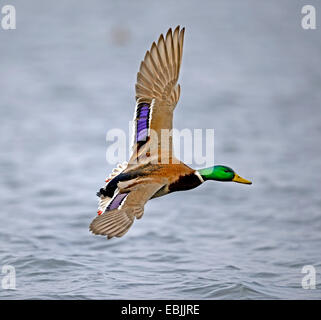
(147, 175)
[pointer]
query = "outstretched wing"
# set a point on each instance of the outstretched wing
(157, 93)
(121, 211)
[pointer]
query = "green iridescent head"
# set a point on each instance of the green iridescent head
(221, 173)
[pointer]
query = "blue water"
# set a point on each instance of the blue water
(249, 71)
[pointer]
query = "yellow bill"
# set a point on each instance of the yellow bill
(239, 179)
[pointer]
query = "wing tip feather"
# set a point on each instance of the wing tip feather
(161, 66)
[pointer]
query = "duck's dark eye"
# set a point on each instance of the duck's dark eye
(226, 171)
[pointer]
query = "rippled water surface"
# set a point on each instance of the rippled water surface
(249, 71)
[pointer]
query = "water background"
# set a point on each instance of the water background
(249, 71)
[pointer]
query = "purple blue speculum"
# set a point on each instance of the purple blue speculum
(142, 120)
(117, 201)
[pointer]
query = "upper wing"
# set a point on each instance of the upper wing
(157, 93)
(123, 208)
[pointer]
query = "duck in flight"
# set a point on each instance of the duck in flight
(152, 170)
